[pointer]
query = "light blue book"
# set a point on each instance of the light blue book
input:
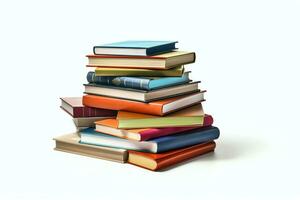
(135, 48)
(141, 83)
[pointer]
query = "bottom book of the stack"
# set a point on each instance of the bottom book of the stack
(159, 161)
(154, 154)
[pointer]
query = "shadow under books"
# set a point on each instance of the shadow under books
(228, 149)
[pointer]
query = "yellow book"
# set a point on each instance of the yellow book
(191, 116)
(114, 71)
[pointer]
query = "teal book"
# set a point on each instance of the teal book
(141, 83)
(135, 48)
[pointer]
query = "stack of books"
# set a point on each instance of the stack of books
(139, 107)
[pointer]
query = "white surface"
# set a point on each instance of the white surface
(247, 59)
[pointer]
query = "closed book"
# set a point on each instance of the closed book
(135, 48)
(157, 145)
(117, 71)
(87, 121)
(70, 143)
(159, 107)
(191, 116)
(110, 126)
(158, 161)
(141, 83)
(140, 95)
(161, 61)
(74, 106)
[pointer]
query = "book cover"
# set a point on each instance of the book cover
(116, 71)
(74, 107)
(135, 47)
(161, 144)
(141, 83)
(110, 126)
(159, 107)
(158, 161)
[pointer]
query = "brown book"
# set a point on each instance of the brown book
(160, 161)
(70, 143)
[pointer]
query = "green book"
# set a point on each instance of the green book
(191, 116)
(110, 71)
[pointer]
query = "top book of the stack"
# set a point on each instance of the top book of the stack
(140, 54)
(135, 48)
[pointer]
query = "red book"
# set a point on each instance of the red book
(110, 126)
(74, 106)
(158, 161)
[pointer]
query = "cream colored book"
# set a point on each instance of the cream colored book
(87, 121)
(70, 143)
(161, 61)
(141, 95)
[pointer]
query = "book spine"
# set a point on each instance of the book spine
(127, 82)
(105, 80)
(79, 112)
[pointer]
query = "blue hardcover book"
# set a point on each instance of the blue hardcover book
(157, 145)
(143, 83)
(135, 48)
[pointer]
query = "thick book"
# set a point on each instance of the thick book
(141, 83)
(117, 71)
(191, 116)
(161, 61)
(135, 48)
(70, 143)
(159, 107)
(157, 145)
(140, 95)
(158, 161)
(110, 126)
(74, 106)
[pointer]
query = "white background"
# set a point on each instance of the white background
(247, 59)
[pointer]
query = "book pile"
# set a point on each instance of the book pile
(140, 107)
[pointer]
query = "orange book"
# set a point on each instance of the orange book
(160, 107)
(158, 161)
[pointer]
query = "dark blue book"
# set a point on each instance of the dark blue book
(141, 83)
(135, 48)
(157, 145)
